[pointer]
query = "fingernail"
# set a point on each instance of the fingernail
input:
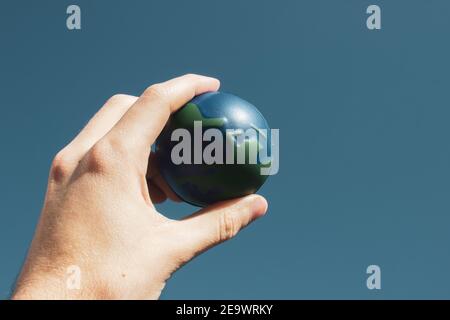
(259, 205)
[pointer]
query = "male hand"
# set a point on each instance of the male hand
(99, 212)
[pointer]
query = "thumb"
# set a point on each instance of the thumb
(219, 222)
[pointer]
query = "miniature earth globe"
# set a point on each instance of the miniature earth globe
(204, 166)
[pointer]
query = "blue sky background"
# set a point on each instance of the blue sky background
(363, 118)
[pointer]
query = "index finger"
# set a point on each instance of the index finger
(144, 121)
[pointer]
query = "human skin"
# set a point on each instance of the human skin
(99, 212)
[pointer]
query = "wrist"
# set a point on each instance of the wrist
(72, 284)
(58, 281)
(49, 286)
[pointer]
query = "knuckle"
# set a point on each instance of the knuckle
(190, 75)
(100, 157)
(228, 226)
(61, 167)
(157, 91)
(120, 98)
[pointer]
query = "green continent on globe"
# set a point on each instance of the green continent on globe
(189, 113)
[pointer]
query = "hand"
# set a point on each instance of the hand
(98, 213)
